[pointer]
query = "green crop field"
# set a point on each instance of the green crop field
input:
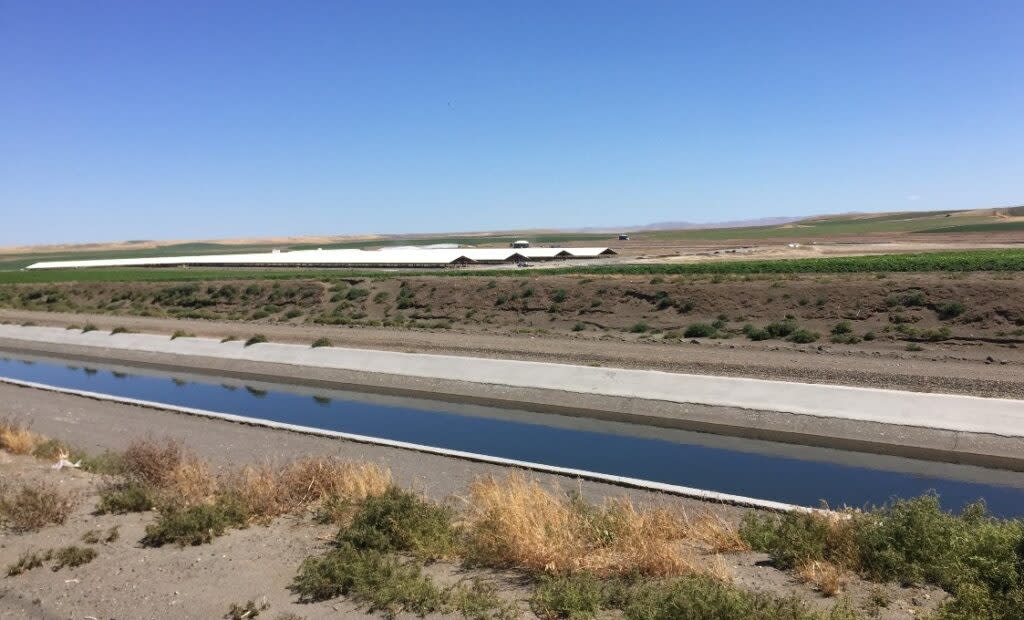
(989, 227)
(961, 261)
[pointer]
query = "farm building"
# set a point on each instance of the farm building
(386, 258)
(522, 243)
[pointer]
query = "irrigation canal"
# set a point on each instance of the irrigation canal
(762, 469)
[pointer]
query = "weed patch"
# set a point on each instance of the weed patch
(700, 330)
(195, 525)
(367, 576)
(125, 497)
(30, 507)
(257, 339)
(973, 556)
(72, 557)
(28, 561)
(399, 521)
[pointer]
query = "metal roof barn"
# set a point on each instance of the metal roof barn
(392, 257)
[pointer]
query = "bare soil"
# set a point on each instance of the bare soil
(257, 563)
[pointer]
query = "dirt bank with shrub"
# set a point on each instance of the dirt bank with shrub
(129, 566)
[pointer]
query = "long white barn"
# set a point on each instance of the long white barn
(396, 257)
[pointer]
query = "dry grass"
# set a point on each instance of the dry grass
(29, 507)
(153, 462)
(716, 535)
(191, 483)
(16, 438)
(269, 492)
(517, 522)
(824, 576)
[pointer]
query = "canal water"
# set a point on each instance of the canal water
(768, 470)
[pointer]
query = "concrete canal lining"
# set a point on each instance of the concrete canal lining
(955, 428)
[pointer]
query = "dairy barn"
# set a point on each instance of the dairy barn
(370, 259)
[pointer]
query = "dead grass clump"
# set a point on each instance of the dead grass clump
(17, 438)
(191, 483)
(317, 478)
(516, 522)
(153, 462)
(713, 533)
(825, 577)
(30, 507)
(269, 492)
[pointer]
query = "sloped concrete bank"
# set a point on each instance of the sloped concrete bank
(981, 431)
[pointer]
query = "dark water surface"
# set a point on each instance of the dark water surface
(767, 470)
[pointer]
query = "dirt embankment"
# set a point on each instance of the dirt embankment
(128, 580)
(932, 332)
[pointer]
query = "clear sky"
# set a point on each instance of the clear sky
(198, 119)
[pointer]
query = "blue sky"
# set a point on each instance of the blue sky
(163, 120)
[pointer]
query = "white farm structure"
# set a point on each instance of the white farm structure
(384, 258)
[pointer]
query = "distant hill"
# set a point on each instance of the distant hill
(764, 221)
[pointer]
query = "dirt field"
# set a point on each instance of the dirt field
(258, 562)
(939, 332)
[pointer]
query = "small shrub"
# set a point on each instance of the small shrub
(30, 507)
(16, 438)
(120, 330)
(89, 327)
(322, 342)
(355, 293)
(53, 449)
(180, 333)
(842, 328)
(479, 600)
(106, 463)
(825, 577)
(28, 561)
(973, 555)
(251, 609)
(846, 339)
(398, 520)
(949, 310)
(95, 537)
(152, 462)
(914, 347)
(367, 576)
(704, 598)
(578, 327)
(73, 557)
(575, 597)
(294, 313)
(125, 497)
(803, 336)
(935, 335)
(559, 296)
(257, 339)
(639, 328)
(196, 525)
(699, 330)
